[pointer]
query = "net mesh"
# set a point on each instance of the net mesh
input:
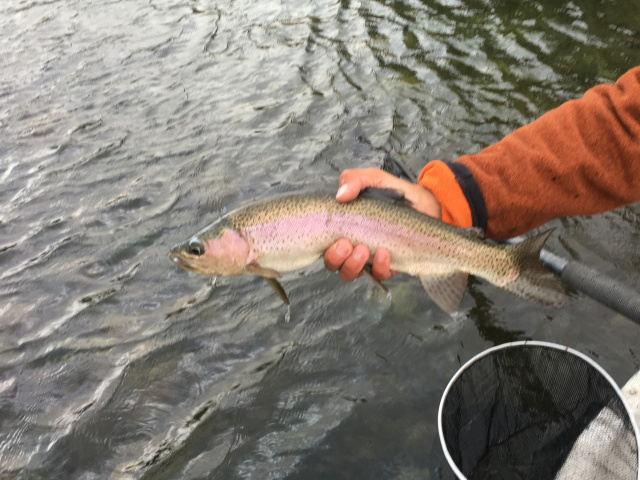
(534, 412)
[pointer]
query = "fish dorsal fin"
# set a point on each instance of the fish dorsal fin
(475, 232)
(385, 194)
(446, 290)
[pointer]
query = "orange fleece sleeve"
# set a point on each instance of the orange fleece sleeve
(437, 177)
(581, 158)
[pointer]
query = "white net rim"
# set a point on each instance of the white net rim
(527, 343)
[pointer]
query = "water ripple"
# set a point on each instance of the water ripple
(126, 126)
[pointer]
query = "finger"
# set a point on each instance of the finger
(353, 181)
(381, 264)
(352, 266)
(336, 254)
(350, 185)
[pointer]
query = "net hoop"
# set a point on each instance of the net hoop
(525, 343)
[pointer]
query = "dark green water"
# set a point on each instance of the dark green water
(126, 126)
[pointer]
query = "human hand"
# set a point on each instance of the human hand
(350, 260)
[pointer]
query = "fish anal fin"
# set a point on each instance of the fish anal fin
(446, 290)
(256, 269)
(275, 284)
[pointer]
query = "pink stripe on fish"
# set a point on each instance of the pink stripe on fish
(318, 230)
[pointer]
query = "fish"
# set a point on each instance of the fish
(273, 236)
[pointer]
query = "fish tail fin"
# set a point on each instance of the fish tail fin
(534, 281)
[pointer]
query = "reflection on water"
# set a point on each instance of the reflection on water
(128, 125)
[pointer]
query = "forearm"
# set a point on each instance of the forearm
(581, 158)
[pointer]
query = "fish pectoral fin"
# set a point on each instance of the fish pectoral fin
(275, 284)
(368, 270)
(446, 290)
(269, 276)
(256, 269)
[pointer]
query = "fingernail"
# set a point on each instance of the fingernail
(342, 190)
(381, 257)
(358, 256)
(342, 250)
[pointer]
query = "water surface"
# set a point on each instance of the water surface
(126, 126)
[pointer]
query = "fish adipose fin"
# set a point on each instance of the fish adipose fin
(446, 290)
(534, 281)
(275, 284)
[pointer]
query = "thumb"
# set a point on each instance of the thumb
(351, 184)
(353, 181)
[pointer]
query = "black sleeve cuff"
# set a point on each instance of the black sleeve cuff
(472, 193)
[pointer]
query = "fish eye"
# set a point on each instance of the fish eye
(195, 247)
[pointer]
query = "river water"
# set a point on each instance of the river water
(127, 125)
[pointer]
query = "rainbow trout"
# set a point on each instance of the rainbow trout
(292, 232)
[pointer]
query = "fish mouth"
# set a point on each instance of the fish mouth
(179, 260)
